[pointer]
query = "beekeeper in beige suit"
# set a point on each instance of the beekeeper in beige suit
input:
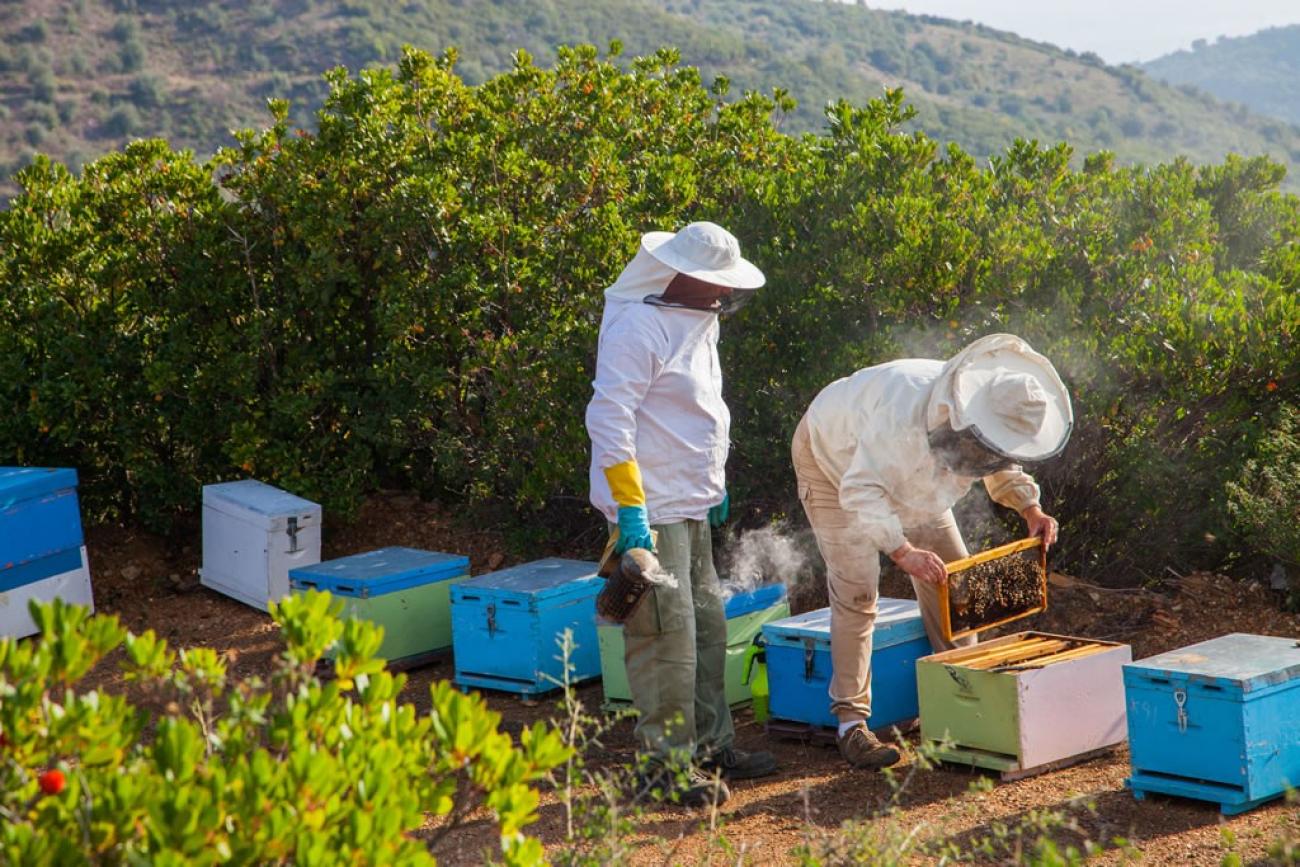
(881, 458)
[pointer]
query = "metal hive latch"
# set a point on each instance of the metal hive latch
(292, 530)
(1180, 699)
(809, 655)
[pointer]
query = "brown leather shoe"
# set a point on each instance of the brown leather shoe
(862, 749)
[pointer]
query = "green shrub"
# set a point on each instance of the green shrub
(43, 82)
(410, 296)
(132, 55)
(146, 91)
(290, 771)
(122, 121)
(1264, 500)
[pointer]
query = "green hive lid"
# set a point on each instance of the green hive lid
(373, 573)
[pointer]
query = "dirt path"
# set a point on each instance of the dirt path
(152, 584)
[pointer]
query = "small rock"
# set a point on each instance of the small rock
(494, 562)
(130, 573)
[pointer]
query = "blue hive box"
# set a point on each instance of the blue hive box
(799, 665)
(1218, 721)
(41, 552)
(40, 524)
(506, 625)
(405, 590)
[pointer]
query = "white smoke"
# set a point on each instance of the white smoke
(767, 555)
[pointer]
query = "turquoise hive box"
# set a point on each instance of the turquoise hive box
(506, 626)
(405, 590)
(40, 524)
(42, 555)
(1218, 721)
(799, 665)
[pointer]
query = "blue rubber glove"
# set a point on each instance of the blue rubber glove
(633, 529)
(718, 514)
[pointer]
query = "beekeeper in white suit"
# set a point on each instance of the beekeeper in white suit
(659, 440)
(882, 456)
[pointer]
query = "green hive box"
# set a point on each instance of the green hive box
(404, 590)
(746, 614)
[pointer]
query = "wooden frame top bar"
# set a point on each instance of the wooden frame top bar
(1010, 549)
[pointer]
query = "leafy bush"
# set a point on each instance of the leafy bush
(409, 295)
(43, 82)
(1265, 500)
(122, 121)
(293, 771)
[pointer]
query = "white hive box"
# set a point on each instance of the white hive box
(253, 534)
(72, 586)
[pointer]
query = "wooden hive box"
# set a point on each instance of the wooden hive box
(746, 614)
(1024, 703)
(1218, 721)
(41, 552)
(253, 534)
(405, 590)
(799, 666)
(506, 626)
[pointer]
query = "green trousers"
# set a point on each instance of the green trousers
(677, 652)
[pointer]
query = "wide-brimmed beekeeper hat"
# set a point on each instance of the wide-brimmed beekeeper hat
(1008, 395)
(705, 251)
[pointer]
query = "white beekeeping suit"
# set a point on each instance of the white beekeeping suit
(659, 439)
(868, 433)
(882, 456)
(658, 399)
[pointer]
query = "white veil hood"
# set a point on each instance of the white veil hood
(644, 275)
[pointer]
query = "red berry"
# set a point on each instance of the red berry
(51, 782)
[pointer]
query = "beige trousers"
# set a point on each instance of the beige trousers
(853, 580)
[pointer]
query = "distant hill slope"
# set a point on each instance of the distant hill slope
(80, 78)
(1261, 71)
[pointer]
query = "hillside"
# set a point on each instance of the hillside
(81, 78)
(1260, 71)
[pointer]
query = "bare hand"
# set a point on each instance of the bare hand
(921, 564)
(1039, 523)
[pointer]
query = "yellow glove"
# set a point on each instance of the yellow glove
(625, 483)
(633, 519)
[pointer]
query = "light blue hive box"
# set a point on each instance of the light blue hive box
(506, 626)
(1218, 721)
(42, 552)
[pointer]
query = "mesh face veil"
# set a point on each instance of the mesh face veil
(965, 453)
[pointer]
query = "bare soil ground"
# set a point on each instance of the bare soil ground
(152, 583)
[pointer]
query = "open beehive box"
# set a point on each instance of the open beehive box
(1023, 703)
(994, 587)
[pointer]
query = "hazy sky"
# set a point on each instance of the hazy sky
(1121, 31)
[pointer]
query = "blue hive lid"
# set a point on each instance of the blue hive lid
(374, 573)
(540, 579)
(258, 497)
(1245, 662)
(897, 621)
(761, 597)
(25, 483)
